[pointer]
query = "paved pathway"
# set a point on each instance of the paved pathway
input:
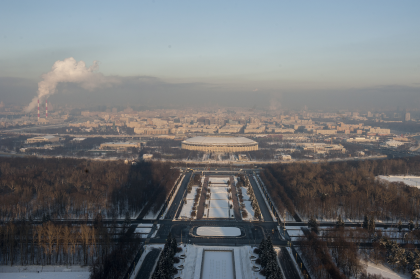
(287, 264)
(235, 200)
(202, 200)
(148, 264)
(173, 210)
(261, 202)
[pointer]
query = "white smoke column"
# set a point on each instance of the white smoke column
(69, 70)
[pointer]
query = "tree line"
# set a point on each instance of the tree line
(48, 243)
(349, 189)
(338, 253)
(55, 188)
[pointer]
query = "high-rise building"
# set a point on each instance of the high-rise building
(407, 116)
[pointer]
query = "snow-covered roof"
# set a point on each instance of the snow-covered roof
(219, 141)
(44, 137)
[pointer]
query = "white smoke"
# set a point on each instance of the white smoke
(69, 70)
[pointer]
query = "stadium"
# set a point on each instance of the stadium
(220, 144)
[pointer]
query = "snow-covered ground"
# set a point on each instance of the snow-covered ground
(218, 212)
(142, 230)
(249, 209)
(221, 180)
(45, 272)
(191, 196)
(218, 189)
(241, 262)
(219, 196)
(244, 194)
(218, 231)
(219, 203)
(152, 215)
(218, 265)
(385, 271)
(213, 186)
(186, 209)
(219, 199)
(295, 232)
(409, 180)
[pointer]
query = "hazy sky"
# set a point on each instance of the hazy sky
(268, 47)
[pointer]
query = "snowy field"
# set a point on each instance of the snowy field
(218, 212)
(218, 189)
(249, 209)
(191, 195)
(238, 264)
(143, 228)
(219, 199)
(218, 231)
(244, 194)
(219, 180)
(408, 180)
(218, 265)
(219, 196)
(186, 209)
(152, 215)
(45, 272)
(385, 271)
(212, 186)
(219, 203)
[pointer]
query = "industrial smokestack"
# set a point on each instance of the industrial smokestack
(38, 109)
(70, 70)
(46, 109)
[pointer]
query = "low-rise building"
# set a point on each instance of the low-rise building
(120, 145)
(48, 138)
(147, 156)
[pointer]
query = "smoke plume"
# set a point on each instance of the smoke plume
(69, 70)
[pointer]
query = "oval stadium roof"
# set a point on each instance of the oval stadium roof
(219, 141)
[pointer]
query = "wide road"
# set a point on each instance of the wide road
(287, 264)
(263, 206)
(178, 198)
(148, 264)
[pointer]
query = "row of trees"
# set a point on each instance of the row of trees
(115, 263)
(244, 182)
(347, 188)
(318, 259)
(165, 267)
(73, 188)
(268, 260)
(28, 244)
(399, 258)
(195, 180)
(342, 246)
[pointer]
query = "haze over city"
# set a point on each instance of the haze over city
(210, 139)
(242, 53)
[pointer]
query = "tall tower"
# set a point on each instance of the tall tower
(46, 109)
(38, 109)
